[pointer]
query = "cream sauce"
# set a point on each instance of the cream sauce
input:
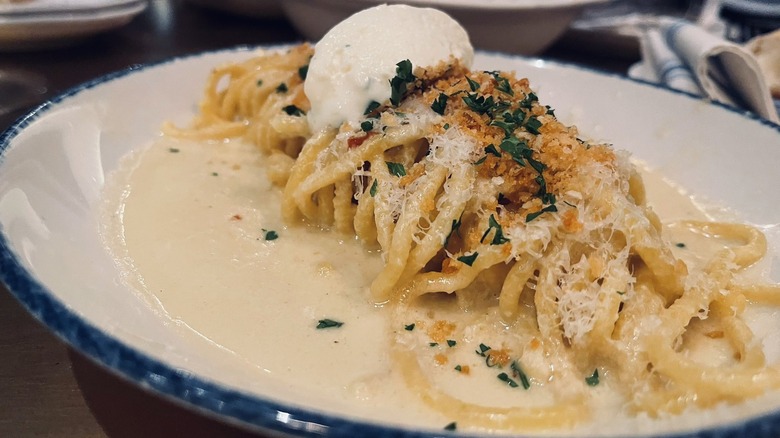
(189, 222)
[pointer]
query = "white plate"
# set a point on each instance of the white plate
(55, 160)
(60, 22)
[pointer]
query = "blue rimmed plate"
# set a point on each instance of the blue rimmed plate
(55, 160)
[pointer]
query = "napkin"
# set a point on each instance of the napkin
(684, 56)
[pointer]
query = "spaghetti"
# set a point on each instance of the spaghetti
(479, 198)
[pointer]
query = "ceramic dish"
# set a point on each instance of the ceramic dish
(522, 27)
(61, 23)
(54, 164)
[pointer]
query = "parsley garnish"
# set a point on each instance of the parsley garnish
(594, 379)
(440, 104)
(505, 378)
(328, 323)
(282, 88)
(396, 169)
(367, 125)
(451, 426)
(468, 259)
(174, 150)
(679, 245)
(498, 238)
(303, 71)
(518, 372)
(372, 191)
(372, 106)
(293, 110)
(458, 368)
(479, 104)
(474, 85)
(259, 82)
(491, 149)
(502, 83)
(517, 149)
(398, 85)
(454, 229)
(270, 234)
(482, 349)
(532, 125)
(433, 344)
(409, 327)
(532, 216)
(451, 343)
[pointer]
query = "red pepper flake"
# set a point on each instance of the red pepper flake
(356, 141)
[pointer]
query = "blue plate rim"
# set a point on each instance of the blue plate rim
(252, 411)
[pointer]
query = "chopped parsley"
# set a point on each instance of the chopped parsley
(409, 327)
(303, 71)
(398, 84)
(372, 190)
(396, 169)
(174, 150)
(455, 229)
(517, 149)
(502, 83)
(451, 343)
(440, 104)
(367, 125)
(479, 104)
(532, 124)
(491, 149)
(593, 380)
(468, 259)
(433, 344)
(328, 323)
(282, 88)
(214, 174)
(458, 368)
(474, 85)
(508, 380)
(482, 350)
(451, 426)
(373, 106)
(532, 216)
(679, 245)
(259, 82)
(293, 110)
(498, 238)
(270, 234)
(518, 372)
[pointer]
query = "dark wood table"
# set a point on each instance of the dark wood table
(49, 390)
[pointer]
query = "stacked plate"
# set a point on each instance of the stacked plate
(30, 24)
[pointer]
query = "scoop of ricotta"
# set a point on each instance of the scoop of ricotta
(355, 61)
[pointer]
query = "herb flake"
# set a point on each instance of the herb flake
(328, 323)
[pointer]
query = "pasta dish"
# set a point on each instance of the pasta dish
(502, 228)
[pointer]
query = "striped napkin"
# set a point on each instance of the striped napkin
(686, 57)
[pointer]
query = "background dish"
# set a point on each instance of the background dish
(54, 162)
(526, 27)
(56, 23)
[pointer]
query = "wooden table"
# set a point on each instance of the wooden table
(47, 389)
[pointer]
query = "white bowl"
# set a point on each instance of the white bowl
(525, 27)
(54, 162)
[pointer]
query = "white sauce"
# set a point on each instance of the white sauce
(355, 60)
(186, 221)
